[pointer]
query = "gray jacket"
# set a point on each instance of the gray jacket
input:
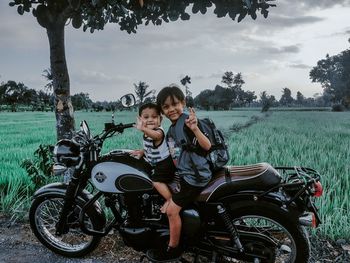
(192, 167)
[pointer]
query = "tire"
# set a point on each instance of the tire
(44, 215)
(278, 224)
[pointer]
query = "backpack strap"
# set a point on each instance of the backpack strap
(179, 130)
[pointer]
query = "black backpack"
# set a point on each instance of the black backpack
(218, 155)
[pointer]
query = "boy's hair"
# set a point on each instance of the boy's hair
(149, 105)
(172, 91)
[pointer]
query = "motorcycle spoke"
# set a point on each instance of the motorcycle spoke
(47, 216)
(285, 248)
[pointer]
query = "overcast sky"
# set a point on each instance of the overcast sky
(271, 53)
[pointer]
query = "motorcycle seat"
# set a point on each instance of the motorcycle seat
(232, 179)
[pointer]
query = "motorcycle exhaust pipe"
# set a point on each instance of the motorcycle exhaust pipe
(308, 219)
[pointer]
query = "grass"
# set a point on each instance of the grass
(319, 140)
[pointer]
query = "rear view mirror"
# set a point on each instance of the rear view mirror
(128, 100)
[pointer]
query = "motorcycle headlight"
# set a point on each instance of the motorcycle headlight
(67, 153)
(59, 169)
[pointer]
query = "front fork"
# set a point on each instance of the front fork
(61, 226)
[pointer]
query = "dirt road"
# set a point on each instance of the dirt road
(19, 245)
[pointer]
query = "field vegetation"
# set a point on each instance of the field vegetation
(319, 140)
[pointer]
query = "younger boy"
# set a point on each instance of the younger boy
(192, 168)
(155, 150)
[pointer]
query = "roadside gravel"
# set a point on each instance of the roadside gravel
(19, 245)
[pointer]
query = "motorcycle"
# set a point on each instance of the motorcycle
(253, 213)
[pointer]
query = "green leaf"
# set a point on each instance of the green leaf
(242, 15)
(12, 4)
(265, 13)
(20, 9)
(41, 15)
(253, 15)
(77, 21)
(185, 16)
(158, 22)
(203, 9)
(196, 7)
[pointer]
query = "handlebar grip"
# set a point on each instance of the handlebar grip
(128, 125)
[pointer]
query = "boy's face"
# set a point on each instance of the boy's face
(173, 108)
(151, 118)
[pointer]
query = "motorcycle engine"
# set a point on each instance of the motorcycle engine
(145, 222)
(144, 226)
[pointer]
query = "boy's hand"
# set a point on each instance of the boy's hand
(191, 121)
(140, 124)
(137, 153)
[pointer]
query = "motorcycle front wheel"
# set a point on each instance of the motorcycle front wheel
(44, 215)
(290, 239)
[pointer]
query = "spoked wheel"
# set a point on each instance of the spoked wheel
(279, 238)
(280, 248)
(44, 215)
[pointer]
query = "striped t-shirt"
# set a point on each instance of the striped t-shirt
(154, 154)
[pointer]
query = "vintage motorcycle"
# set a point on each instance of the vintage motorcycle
(253, 213)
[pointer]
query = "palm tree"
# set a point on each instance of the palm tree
(141, 91)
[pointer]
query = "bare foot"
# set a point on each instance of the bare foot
(164, 207)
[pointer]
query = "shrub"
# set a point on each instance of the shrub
(39, 169)
(337, 107)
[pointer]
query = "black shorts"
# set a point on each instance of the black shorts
(187, 194)
(164, 171)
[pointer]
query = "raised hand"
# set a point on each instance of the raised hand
(191, 121)
(140, 124)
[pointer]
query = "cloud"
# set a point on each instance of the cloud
(305, 6)
(94, 77)
(299, 66)
(282, 21)
(323, 3)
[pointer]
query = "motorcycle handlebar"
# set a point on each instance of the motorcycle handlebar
(111, 127)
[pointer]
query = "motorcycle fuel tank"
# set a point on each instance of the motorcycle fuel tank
(114, 177)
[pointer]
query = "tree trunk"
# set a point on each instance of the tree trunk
(63, 104)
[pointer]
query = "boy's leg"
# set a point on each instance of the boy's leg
(173, 251)
(175, 224)
(163, 189)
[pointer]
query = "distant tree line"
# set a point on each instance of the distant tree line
(13, 95)
(333, 73)
(232, 95)
(16, 96)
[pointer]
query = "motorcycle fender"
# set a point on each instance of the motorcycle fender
(277, 199)
(84, 195)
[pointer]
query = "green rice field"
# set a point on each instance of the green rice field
(315, 139)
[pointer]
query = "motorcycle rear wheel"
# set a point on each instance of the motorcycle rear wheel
(267, 219)
(44, 215)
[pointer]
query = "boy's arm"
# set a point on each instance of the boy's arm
(192, 123)
(203, 140)
(156, 135)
